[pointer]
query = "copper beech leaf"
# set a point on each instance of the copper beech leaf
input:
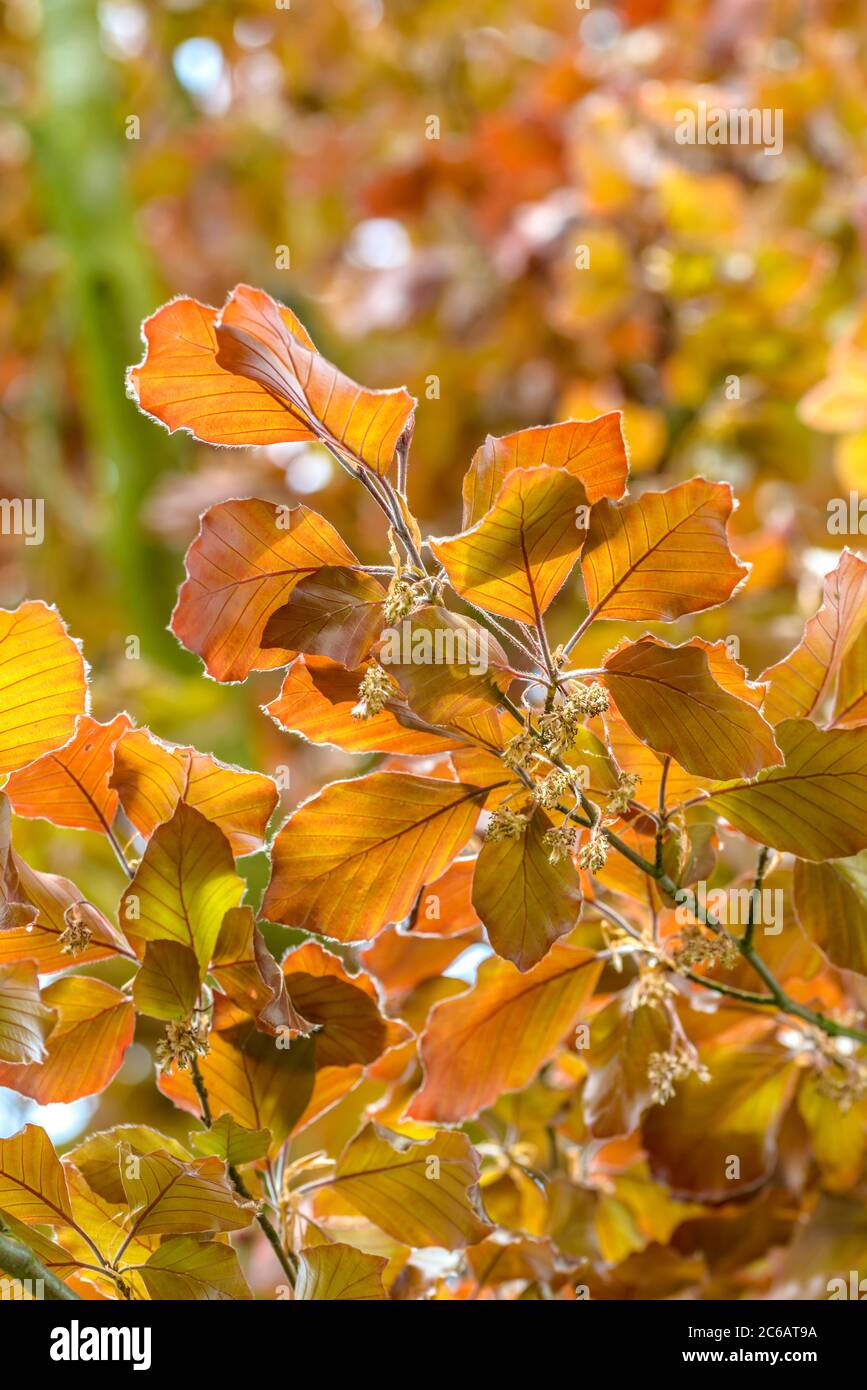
(850, 702)
(515, 559)
(523, 900)
(249, 374)
(189, 1269)
(496, 1036)
(662, 555)
(800, 682)
(97, 1158)
(250, 977)
(339, 1273)
(813, 805)
(95, 1026)
(151, 777)
(231, 1142)
(830, 902)
(38, 909)
(33, 1185)
(25, 1021)
(184, 885)
(166, 984)
(242, 566)
(618, 1090)
(352, 859)
(419, 1193)
(169, 1195)
(317, 700)
(345, 1008)
(70, 786)
(336, 612)
(43, 688)
(594, 451)
(670, 699)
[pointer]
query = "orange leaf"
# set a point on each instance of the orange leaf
(663, 555)
(152, 777)
(95, 1026)
(800, 682)
(70, 785)
(525, 901)
(593, 451)
(336, 612)
(516, 558)
(850, 705)
(43, 688)
(351, 860)
(496, 1036)
(669, 698)
(25, 1021)
(241, 567)
(251, 978)
(339, 1273)
(249, 374)
(344, 1007)
(32, 1181)
(317, 700)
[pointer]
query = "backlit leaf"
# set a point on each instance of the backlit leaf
(97, 1158)
(813, 805)
(670, 699)
(168, 1195)
(166, 984)
(515, 559)
(594, 451)
(43, 688)
(662, 555)
(496, 1036)
(249, 374)
(95, 1025)
(32, 1181)
(830, 901)
(69, 786)
(419, 1193)
(524, 901)
(352, 859)
(339, 1273)
(152, 777)
(25, 1021)
(244, 563)
(800, 682)
(344, 1007)
(249, 975)
(184, 885)
(184, 1268)
(231, 1142)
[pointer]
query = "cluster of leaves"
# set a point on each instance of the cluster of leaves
(635, 1092)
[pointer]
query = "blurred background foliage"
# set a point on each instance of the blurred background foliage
(414, 180)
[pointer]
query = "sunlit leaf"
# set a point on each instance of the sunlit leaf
(32, 1181)
(515, 559)
(245, 969)
(339, 1273)
(830, 901)
(43, 688)
(244, 563)
(167, 983)
(184, 885)
(95, 1025)
(670, 699)
(167, 1195)
(317, 701)
(25, 1021)
(231, 1142)
(152, 777)
(524, 901)
(799, 683)
(594, 451)
(663, 555)
(344, 1007)
(495, 1037)
(184, 1268)
(249, 374)
(69, 786)
(352, 859)
(813, 805)
(97, 1158)
(420, 1193)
